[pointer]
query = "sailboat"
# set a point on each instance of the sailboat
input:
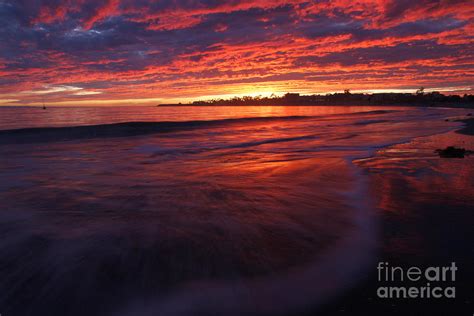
(44, 107)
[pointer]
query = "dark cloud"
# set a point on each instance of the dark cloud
(413, 51)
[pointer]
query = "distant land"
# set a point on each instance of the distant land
(420, 98)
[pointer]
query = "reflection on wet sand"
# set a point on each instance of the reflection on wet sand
(425, 210)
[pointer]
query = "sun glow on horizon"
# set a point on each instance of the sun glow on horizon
(8, 100)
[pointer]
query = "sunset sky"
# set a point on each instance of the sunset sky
(80, 52)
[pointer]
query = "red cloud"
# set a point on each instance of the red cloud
(188, 49)
(110, 8)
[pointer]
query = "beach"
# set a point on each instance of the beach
(286, 212)
(425, 213)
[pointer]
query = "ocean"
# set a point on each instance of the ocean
(199, 210)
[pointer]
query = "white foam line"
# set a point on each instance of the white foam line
(327, 276)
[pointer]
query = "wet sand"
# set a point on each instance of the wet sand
(425, 211)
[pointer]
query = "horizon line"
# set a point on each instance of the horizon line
(188, 100)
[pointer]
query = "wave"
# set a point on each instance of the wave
(368, 122)
(298, 289)
(373, 112)
(125, 129)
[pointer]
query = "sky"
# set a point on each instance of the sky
(113, 52)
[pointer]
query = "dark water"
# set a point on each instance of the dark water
(236, 215)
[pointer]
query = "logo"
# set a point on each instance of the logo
(436, 281)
